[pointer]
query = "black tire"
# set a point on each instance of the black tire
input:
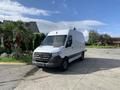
(64, 65)
(39, 67)
(82, 56)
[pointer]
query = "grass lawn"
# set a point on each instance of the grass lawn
(100, 46)
(24, 59)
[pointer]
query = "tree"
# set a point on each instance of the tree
(93, 37)
(38, 39)
(23, 37)
(105, 39)
(16, 34)
(1, 35)
(7, 34)
(42, 37)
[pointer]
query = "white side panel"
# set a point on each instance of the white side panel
(78, 45)
(72, 59)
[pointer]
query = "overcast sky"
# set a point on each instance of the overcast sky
(101, 15)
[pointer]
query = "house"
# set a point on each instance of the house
(32, 26)
(109, 41)
(115, 41)
(28, 25)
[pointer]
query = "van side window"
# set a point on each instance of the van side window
(69, 41)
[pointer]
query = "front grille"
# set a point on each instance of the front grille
(42, 57)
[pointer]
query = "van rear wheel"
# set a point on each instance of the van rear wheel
(64, 65)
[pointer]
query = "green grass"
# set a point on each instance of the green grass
(101, 46)
(23, 59)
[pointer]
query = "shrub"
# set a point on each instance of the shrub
(30, 46)
(39, 37)
(23, 47)
(3, 50)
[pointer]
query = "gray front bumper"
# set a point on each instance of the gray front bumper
(53, 62)
(42, 64)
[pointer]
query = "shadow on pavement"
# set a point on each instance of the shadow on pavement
(89, 65)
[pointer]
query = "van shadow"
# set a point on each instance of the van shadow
(89, 65)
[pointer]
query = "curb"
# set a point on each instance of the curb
(12, 63)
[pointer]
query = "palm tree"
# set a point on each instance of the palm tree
(1, 36)
(13, 34)
(22, 35)
(8, 34)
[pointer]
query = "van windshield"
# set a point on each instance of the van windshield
(56, 40)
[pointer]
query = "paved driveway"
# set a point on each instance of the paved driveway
(99, 71)
(11, 75)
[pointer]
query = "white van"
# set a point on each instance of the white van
(60, 48)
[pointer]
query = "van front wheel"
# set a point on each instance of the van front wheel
(64, 65)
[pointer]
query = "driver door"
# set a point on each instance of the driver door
(68, 51)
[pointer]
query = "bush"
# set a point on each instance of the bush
(0, 42)
(3, 50)
(30, 46)
(38, 39)
(93, 37)
(23, 47)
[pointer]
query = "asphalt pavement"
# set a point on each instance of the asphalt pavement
(12, 74)
(99, 71)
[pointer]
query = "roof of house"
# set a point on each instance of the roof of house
(115, 38)
(29, 25)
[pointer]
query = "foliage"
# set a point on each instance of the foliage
(23, 46)
(102, 46)
(8, 34)
(16, 33)
(3, 50)
(105, 39)
(24, 59)
(99, 39)
(23, 35)
(38, 39)
(93, 37)
(0, 34)
(30, 44)
(19, 40)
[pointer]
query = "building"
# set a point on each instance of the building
(28, 25)
(32, 26)
(115, 41)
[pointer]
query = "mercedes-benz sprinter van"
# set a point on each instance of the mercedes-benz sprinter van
(60, 48)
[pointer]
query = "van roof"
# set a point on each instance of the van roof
(59, 32)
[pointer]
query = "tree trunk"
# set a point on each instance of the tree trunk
(2, 43)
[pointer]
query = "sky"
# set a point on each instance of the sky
(100, 15)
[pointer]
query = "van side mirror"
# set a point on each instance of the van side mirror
(69, 42)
